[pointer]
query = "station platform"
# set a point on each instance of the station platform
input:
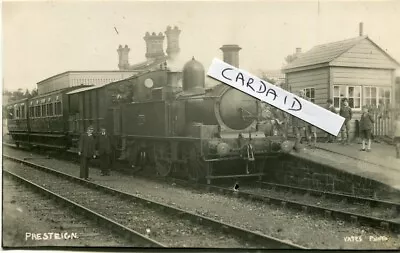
(379, 165)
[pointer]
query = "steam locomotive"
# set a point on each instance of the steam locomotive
(160, 118)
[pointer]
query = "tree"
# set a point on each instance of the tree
(290, 58)
(34, 93)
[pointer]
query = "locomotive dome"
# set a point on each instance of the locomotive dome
(193, 75)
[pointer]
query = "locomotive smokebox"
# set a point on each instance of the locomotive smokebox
(193, 77)
(231, 54)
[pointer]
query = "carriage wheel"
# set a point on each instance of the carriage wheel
(195, 166)
(162, 159)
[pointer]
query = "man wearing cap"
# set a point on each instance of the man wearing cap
(299, 127)
(86, 151)
(104, 148)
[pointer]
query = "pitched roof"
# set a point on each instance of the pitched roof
(324, 53)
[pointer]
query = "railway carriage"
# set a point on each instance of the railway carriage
(17, 120)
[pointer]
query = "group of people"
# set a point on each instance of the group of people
(366, 123)
(90, 147)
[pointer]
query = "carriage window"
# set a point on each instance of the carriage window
(43, 110)
(17, 112)
(10, 113)
(58, 110)
(31, 112)
(38, 111)
(50, 109)
(23, 112)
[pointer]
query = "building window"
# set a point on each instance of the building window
(352, 93)
(310, 93)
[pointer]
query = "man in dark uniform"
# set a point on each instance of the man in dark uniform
(331, 108)
(104, 148)
(86, 151)
(345, 112)
(299, 127)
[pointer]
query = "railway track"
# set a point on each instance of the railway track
(380, 214)
(383, 214)
(54, 220)
(164, 225)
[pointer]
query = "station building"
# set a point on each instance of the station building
(155, 58)
(356, 69)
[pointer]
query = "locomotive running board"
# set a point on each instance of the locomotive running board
(240, 175)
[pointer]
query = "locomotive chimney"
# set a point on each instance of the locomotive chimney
(154, 45)
(172, 41)
(123, 57)
(231, 54)
(361, 28)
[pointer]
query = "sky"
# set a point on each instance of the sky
(41, 39)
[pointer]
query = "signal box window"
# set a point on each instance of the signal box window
(310, 93)
(384, 95)
(370, 95)
(352, 93)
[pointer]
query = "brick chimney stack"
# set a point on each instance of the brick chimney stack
(154, 45)
(123, 57)
(298, 50)
(172, 41)
(231, 54)
(361, 28)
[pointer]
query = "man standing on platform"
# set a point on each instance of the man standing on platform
(331, 108)
(104, 148)
(345, 112)
(86, 151)
(299, 127)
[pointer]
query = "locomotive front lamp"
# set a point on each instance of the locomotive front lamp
(223, 149)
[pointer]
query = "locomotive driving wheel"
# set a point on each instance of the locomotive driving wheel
(195, 166)
(162, 159)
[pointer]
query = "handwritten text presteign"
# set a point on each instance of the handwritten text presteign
(50, 236)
